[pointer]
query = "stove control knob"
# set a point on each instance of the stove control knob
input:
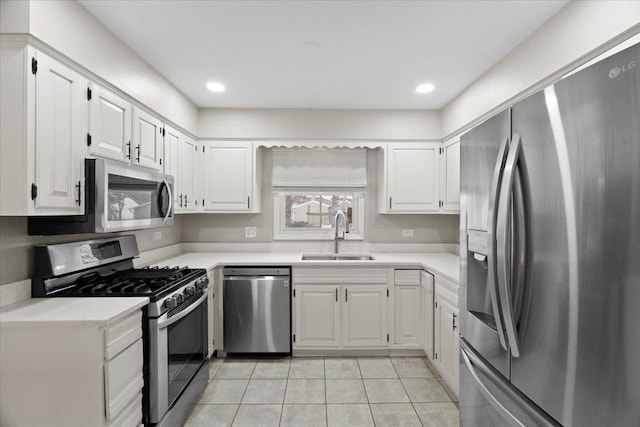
(170, 303)
(179, 298)
(189, 290)
(200, 283)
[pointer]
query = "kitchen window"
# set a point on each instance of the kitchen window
(310, 186)
(311, 214)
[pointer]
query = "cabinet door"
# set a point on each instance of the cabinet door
(408, 316)
(171, 162)
(210, 317)
(427, 288)
(188, 175)
(365, 316)
(109, 125)
(412, 177)
(228, 169)
(61, 127)
(146, 145)
(450, 176)
(317, 316)
(446, 336)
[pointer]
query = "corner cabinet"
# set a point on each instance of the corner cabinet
(450, 176)
(419, 178)
(340, 308)
(446, 335)
(230, 176)
(41, 160)
(426, 282)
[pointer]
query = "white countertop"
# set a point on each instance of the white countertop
(443, 264)
(67, 311)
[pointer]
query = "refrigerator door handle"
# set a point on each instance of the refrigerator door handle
(491, 234)
(477, 366)
(504, 244)
(466, 354)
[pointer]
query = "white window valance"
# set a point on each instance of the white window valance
(328, 167)
(309, 143)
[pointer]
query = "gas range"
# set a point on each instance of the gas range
(175, 328)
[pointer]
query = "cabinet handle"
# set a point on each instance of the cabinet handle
(138, 150)
(390, 199)
(79, 187)
(248, 202)
(186, 202)
(336, 294)
(181, 200)
(129, 150)
(345, 295)
(454, 321)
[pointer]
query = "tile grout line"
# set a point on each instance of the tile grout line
(365, 392)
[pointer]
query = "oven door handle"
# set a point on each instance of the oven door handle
(163, 324)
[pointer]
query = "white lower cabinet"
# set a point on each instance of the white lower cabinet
(364, 316)
(426, 281)
(408, 309)
(317, 315)
(340, 308)
(88, 374)
(211, 318)
(446, 336)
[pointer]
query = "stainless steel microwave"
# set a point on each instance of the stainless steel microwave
(118, 197)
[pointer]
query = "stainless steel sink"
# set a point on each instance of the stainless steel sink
(337, 257)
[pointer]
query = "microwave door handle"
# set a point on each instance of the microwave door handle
(491, 232)
(166, 184)
(171, 320)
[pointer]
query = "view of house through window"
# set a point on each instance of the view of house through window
(317, 210)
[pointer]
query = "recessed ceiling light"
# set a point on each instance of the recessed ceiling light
(425, 88)
(215, 87)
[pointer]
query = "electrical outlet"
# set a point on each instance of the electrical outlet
(250, 231)
(157, 235)
(407, 232)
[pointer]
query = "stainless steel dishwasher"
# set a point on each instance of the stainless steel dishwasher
(257, 310)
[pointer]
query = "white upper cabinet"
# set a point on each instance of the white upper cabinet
(146, 141)
(188, 176)
(420, 178)
(450, 176)
(171, 161)
(109, 124)
(410, 178)
(60, 122)
(41, 160)
(230, 174)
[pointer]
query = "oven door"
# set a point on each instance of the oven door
(130, 197)
(177, 350)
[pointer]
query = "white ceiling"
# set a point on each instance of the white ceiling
(322, 54)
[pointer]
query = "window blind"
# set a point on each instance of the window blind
(319, 167)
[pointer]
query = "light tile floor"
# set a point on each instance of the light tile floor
(329, 391)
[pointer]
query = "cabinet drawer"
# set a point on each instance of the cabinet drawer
(407, 277)
(131, 416)
(122, 379)
(121, 335)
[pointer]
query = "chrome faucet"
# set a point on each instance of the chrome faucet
(337, 237)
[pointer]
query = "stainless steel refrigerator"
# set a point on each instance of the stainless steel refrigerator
(550, 252)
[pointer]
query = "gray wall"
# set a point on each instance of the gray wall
(210, 228)
(16, 246)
